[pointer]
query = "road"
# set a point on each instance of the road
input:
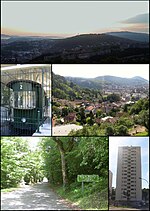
(125, 208)
(36, 197)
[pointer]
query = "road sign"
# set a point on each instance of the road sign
(88, 178)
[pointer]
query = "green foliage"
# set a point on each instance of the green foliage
(142, 104)
(13, 151)
(6, 190)
(56, 110)
(94, 197)
(84, 155)
(143, 118)
(109, 130)
(98, 113)
(81, 116)
(142, 134)
(5, 94)
(64, 89)
(122, 130)
(34, 167)
(18, 162)
(126, 121)
(113, 97)
(65, 111)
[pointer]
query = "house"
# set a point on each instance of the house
(109, 119)
(71, 117)
(89, 109)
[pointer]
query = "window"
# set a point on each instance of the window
(24, 99)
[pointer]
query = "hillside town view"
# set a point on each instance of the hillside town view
(105, 105)
(123, 38)
(121, 47)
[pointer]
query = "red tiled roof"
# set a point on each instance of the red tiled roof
(89, 108)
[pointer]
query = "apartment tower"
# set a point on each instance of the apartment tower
(128, 184)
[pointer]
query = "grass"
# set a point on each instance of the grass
(145, 133)
(8, 190)
(91, 199)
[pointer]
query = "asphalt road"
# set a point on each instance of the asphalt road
(36, 197)
(121, 208)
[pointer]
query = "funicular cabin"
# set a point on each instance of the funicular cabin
(25, 99)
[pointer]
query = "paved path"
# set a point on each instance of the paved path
(36, 197)
(63, 130)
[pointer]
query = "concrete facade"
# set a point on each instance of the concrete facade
(110, 181)
(128, 184)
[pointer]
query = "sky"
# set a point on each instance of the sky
(94, 70)
(143, 142)
(71, 18)
(32, 142)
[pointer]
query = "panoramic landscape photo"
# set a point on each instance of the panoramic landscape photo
(100, 99)
(75, 32)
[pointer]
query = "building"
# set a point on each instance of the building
(110, 182)
(71, 117)
(128, 184)
(89, 109)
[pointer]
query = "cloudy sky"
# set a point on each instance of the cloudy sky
(71, 18)
(94, 70)
(143, 142)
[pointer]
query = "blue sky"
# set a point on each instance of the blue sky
(143, 142)
(71, 18)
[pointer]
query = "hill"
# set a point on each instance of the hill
(95, 48)
(122, 81)
(141, 37)
(87, 41)
(5, 36)
(66, 89)
(85, 48)
(72, 88)
(98, 82)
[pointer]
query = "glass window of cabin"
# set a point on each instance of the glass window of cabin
(25, 99)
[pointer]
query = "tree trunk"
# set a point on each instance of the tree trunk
(63, 162)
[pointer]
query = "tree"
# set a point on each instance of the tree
(90, 119)
(145, 194)
(63, 161)
(125, 108)
(18, 162)
(65, 111)
(126, 121)
(109, 131)
(13, 151)
(81, 116)
(73, 156)
(121, 130)
(113, 97)
(144, 118)
(98, 113)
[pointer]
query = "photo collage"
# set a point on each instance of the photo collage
(75, 105)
